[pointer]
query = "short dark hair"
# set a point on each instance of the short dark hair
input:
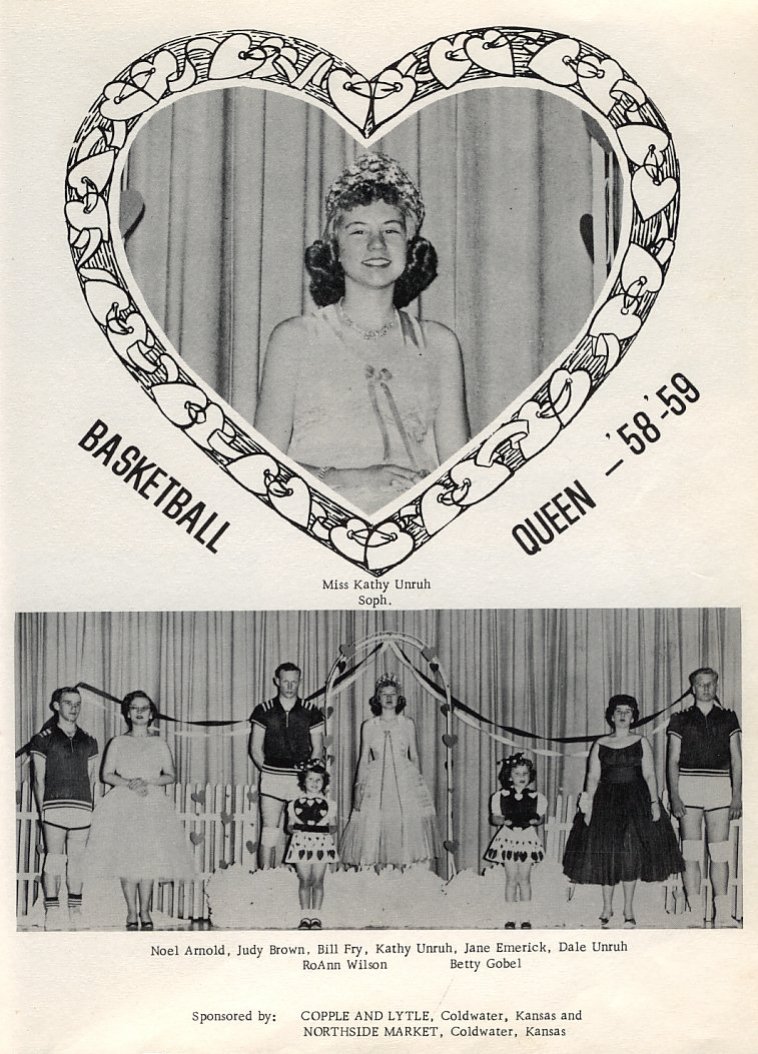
(515, 761)
(286, 667)
(322, 263)
(60, 692)
(622, 700)
(129, 699)
(703, 670)
(319, 769)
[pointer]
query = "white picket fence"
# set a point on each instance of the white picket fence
(222, 824)
(221, 821)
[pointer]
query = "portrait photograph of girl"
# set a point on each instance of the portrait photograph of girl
(369, 309)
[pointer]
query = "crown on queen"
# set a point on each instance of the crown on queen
(388, 680)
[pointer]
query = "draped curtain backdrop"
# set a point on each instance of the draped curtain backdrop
(522, 192)
(547, 671)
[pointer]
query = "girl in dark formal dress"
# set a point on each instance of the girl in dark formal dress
(621, 833)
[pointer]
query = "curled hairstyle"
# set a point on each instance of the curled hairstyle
(386, 681)
(322, 259)
(129, 699)
(622, 700)
(313, 765)
(515, 761)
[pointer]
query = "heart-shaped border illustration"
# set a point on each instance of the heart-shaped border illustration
(496, 55)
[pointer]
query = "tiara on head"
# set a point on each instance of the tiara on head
(388, 680)
(380, 170)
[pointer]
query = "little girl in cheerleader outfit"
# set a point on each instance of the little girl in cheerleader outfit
(311, 847)
(517, 846)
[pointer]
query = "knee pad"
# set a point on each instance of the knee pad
(692, 849)
(719, 852)
(269, 837)
(55, 864)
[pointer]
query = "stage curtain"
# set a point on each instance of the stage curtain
(547, 671)
(233, 182)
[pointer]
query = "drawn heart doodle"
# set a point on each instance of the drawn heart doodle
(438, 508)
(350, 539)
(448, 60)
(394, 91)
(387, 546)
(496, 61)
(234, 57)
(651, 195)
(598, 81)
(556, 61)
(492, 51)
(292, 500)
(349, 93)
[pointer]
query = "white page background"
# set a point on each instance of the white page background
(672, 527)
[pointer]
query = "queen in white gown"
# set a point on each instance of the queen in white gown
(360, 393)
(393, 821)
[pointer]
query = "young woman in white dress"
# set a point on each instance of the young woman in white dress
(136, 834)
(363, 395)
(393, 822)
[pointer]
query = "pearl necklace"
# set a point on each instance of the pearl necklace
(365, 334)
